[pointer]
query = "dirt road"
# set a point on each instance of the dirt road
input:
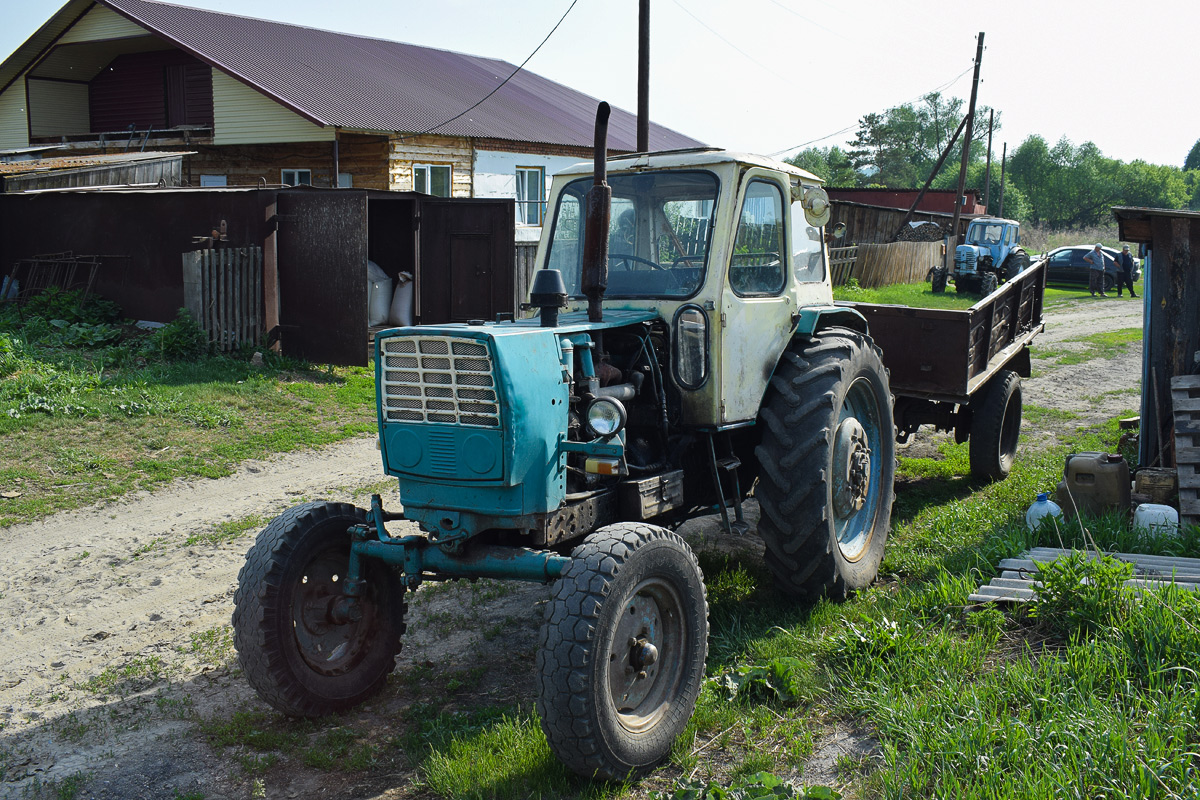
(117, 617)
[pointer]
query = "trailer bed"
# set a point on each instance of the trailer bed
(946, 355)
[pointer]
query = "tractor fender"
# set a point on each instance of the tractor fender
(816, 318)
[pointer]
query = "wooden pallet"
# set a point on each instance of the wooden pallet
(1018, 577)
(1185, 399)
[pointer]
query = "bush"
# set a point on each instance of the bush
(181, 339)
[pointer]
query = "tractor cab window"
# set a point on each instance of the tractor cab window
(757, 266)
(659, 230)
(985, 234)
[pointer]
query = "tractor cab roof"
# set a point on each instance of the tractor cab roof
(691, 157)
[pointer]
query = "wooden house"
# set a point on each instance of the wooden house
(262, 102)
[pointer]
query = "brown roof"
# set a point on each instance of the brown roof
(361, 83)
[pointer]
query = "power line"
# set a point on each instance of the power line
(945, 85)
(506, 80)
(731, 44)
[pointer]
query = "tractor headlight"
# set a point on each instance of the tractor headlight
(605, 416)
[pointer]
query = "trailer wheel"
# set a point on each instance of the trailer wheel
(302, 650)
(826, 465)
(621, 652)
(996, 427)
(1015, 264)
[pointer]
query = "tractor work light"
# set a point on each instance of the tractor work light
(605, 417)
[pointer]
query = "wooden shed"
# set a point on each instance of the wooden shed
(114, 169)
(1171, 326)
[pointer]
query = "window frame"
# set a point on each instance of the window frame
(430, 166)
(539, 206)
(211, 181)
(784, 225)
(296, 175)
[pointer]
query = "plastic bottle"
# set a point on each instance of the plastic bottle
(1156, 518)
(1040, 509)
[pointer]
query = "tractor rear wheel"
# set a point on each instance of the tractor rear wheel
(303, 648)
(1015, 264)
(826, 465)
(996, 427)
(622, 649)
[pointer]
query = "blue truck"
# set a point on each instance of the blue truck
(685, 351)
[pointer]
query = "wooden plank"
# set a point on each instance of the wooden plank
(1189, 479)
(1182, 402)
(1184, 382)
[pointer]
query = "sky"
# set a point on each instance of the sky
(767, 76)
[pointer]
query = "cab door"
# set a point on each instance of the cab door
(756, 305)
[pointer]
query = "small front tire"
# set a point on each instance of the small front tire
(300, 649)
(621, 653)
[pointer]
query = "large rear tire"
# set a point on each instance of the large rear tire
(827, 464)
(622, 649)
(300, 649)
(996, 427)
(1016, 263)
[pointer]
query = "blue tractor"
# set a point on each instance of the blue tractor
(991, 255)
(686, 352)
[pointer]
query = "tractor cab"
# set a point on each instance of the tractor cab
(991, 255)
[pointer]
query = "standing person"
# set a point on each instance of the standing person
(1125, 273)
(1095, 261)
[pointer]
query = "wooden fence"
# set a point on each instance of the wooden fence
(222, 290)
(886, 264)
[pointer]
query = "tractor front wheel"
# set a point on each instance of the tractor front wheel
(305, 648)
(622, 649)
(827, 461)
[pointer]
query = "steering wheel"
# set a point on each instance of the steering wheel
(629, 259)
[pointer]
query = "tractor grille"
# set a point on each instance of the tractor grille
(439, 379)
(965, 261)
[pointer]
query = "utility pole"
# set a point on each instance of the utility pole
(966, 146)
(643, 112)
(1003, 160)
(987, 181)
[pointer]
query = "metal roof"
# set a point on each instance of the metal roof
(58, 163)
(361, 83)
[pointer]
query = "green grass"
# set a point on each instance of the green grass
(905, 294)
(81, 424)
(1105, 344)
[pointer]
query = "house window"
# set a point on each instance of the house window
(296, 177)
(531, 195)
(432, 179)
(345, 180)
(213, 180)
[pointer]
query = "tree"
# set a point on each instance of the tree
(831, 164)
(1193, 158)
(899, 147)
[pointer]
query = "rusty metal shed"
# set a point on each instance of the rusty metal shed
(314, 242)
(1171, 325)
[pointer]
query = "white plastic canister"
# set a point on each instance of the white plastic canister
(1040, 509)
(1156, 518)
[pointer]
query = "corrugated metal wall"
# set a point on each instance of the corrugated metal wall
(243, 116)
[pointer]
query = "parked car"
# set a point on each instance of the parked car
(1066, 265)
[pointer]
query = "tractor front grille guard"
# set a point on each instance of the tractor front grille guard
(439, 379)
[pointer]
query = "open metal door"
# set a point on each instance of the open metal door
(322, 257)
(467, 268)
